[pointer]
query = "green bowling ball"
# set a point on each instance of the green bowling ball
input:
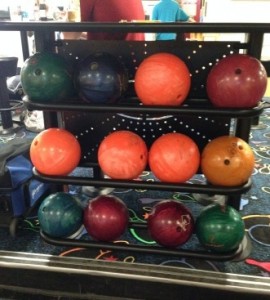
(60, 215)
(220, 228)
(47, 77)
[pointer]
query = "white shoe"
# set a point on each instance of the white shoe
(34, 121)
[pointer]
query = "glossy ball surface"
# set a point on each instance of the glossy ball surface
(237, 81)
(174, 157)
(122, 155)
(220, 228)
(106, 218)
(101, 78)
(55, 151)
(162, 79)
(227, 161)
(170, 223)
(60, 215)
(47, 77)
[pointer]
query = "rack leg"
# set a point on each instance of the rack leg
(234, 201)
(8, 67)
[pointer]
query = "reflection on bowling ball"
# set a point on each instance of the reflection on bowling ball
(60, 215)
(220, 228)
(47, 77)
(100, 78)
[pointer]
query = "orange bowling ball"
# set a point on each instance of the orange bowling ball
(122, 155)
(227, 161)
(162, 79)
(174, 157)
(55, 151)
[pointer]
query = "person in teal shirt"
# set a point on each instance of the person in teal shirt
(168, 11)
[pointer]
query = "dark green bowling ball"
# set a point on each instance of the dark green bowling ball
(47, 77)
(60, 215)
(220, 228)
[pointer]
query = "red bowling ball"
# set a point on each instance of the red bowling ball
(106, 218)
(170, 223)
(237, 81)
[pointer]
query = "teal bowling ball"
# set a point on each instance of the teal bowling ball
(47, 77)
(220, 228)
(60, 215)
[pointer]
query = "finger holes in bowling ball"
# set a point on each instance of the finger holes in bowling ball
(238, 71)
(179, 96)
(38, 72)
(226, 162)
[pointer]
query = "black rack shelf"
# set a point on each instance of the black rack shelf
(144, 249)
(196, 106)
(160, 186)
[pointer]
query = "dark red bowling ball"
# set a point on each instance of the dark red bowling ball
(101, 78)
(237, 81)
(106, 218)
(170, 223)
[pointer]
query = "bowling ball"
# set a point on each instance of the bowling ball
(170, 223)
(122, 155)
(162, 79)
(101, 78)
(47, 77)
(60, 215)
(220, 228)
(106, 218)
(237, 81)
(55, 151)
(227, 161)
(174, 157)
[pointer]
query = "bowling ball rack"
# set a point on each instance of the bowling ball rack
(197, 118)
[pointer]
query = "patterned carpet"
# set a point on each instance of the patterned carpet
(255, 210)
